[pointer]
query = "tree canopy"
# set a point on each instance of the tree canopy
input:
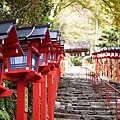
(29, 12)
(109, 38)
(32, 12)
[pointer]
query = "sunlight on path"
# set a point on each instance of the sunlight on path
(75, 69)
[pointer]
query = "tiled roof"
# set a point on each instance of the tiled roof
(10, 42)
(77, 45)
(5, 27)
(23, 32)
(32, 32)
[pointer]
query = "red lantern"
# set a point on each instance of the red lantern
(45, 49)
(25, 68)
(9, 47)
(55, 42)
(39, 89)
(27, 65)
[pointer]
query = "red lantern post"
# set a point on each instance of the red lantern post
(9, 47)
(24, 68)
(55, 71)
(53, 74)
(39, 89)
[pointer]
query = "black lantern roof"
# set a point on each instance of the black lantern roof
(9, 38)
(54, 35)
(5, 27)
(30, 33)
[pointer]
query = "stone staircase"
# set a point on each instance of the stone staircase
(77, 100)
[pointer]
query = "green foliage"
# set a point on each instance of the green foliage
(8, 104)
(35, 12)
(4, 10)
(4, 115)
(110, 38)
(90, 60)
(106, 11)
(76, 61)
(29, 12)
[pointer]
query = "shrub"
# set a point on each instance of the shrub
(76, 61)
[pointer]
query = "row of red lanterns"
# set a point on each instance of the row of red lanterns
(30, 54)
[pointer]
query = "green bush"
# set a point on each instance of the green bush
(76, 61)
(90, 60)
(4, 115)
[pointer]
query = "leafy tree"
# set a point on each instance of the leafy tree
(34, 12)
(8, 104)
(106, 11)
(29, 12)
(110, 38)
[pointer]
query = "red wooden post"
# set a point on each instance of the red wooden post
(43, 100)
(36, 100)
(22, 101)
(100, 66)
(55, 84)
(96, 66)
(108, 68)
(113, 69)
(50, 96)
(97, 63)
(61, 66)
(117, 69)
(57, 80)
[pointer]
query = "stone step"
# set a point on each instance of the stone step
(82, 117)
(85, 112)
(77, 98)
(81, 104)
(76, 90)
(67, 116)
(112, 98)
(75, 102)
(83, 86)
(104, 117)
(97, 103)
(68, 90)
(62, 119)
(112, 103)
(89, 107)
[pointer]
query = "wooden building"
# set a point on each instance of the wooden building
(80, 48)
